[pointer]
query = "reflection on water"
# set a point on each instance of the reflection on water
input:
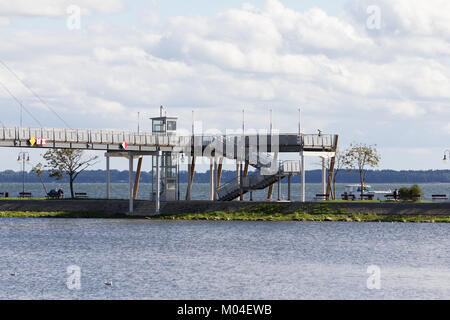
(222, 260)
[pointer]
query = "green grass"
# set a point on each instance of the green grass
(67, 215)
(257, 212)
(319, 212)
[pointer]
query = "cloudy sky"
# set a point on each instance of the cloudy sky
(373, 71)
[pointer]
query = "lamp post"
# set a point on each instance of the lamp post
(22, 158)
(445, 156)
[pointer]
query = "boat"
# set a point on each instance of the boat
(354, 191)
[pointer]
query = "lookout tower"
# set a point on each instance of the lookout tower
(167, 162)
(164, 125)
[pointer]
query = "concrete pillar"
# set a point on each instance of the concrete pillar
(108, 177)
(158, 183)
(215, 178)
(324, 173)
(211, 179)
(303, 195)
(130, 182)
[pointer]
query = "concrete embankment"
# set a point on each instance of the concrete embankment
(146, 208)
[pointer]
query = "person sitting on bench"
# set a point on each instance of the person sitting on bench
(396, 194)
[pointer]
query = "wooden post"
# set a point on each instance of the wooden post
(331, 170)
(219, 173)
(138, 176)
(191, 173)
(270, 192)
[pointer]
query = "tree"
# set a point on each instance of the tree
(360, 157)
(414, 193)
(67, 162)
(39, 171)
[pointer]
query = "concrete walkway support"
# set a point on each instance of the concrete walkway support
(211, 179)
(130, 182)
(303, 171)
(108, 177)
(324, 173)
(158, 183)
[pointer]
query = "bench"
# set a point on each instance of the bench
(81, 195)
(439, 197)
(390, 197)
(4, 194)
(348, 197)
(25, 195)
(368, 197)
(321, 197)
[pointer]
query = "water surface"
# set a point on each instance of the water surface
(222, 260)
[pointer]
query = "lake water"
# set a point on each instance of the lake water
(200, 191)
(222, 260)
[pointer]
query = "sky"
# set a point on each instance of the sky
(372, 71)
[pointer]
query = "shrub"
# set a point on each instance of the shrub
(414, 193)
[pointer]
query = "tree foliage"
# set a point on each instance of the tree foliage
(360, 157)
(414, 193)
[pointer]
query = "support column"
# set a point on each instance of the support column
(324, 173)
(211, 179)
(303, 195)
(191, 172)
(239, 177)
(130, 182)
(108, 177)
(138, 176)
(219, 173)
(279, 187)
(158, 183)
(215, 187)
(330, 189)
(270, 192)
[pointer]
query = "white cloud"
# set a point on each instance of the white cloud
(57, 8)
(346, 79)
(4, 22)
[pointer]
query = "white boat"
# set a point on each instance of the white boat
(354, 190)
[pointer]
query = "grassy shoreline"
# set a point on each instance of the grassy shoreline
(265, 212)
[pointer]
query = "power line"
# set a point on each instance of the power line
(20, 103)
(35, 94)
